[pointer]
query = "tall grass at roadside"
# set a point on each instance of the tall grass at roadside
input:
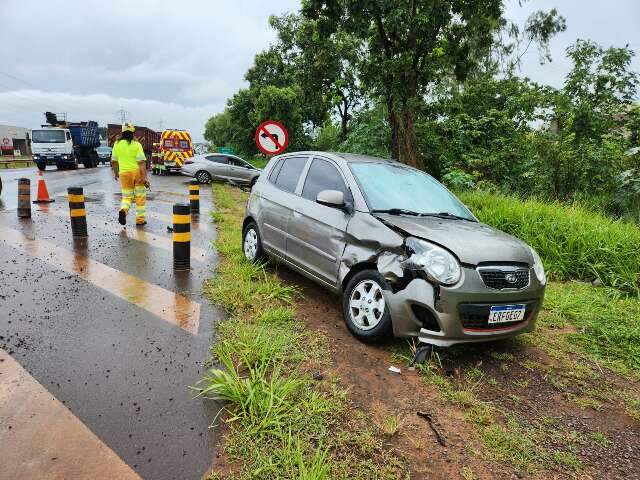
(284, 424)
(608, 328)
(573, 243)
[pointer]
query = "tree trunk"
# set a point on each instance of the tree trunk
(393, 124)
(407, 140)
(344, 117)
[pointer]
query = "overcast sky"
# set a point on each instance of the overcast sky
(175, 64)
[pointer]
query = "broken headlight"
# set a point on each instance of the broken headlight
(538, 268)
(437, 262)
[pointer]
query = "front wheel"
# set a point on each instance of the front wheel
(364, 307)
(203, 177)
(251, 243)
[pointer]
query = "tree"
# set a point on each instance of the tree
(325, 66)
(410, 45)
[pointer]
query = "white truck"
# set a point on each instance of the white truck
(65, 145)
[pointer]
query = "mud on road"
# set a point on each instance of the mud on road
(97, 358)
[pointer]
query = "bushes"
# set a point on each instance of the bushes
(573, 243)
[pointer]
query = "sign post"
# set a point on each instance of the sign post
(272, 138)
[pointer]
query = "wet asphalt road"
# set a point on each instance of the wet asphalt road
(123, 371)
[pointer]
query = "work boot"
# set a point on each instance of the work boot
(122, 217)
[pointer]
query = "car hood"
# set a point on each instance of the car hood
(471, 242)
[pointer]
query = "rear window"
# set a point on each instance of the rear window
(183, 144)
(168, 143)
(289, 173)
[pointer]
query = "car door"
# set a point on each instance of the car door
(217, 167)
(317, 232)
(242, 171)
(277, 197)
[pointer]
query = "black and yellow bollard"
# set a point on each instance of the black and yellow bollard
(77, 212)
(24, 198)
(194, 196)
(181, 237)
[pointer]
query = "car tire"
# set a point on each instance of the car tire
(203, 177)
(42, 166)
(364, 308)
(252, 243)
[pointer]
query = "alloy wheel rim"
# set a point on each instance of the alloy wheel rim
(203, 178)
(250, 244)
(367, 305)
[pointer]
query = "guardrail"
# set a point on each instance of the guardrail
(14, 162)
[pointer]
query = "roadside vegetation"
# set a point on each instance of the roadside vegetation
(286, 414)
(575, 244)
(558, 167)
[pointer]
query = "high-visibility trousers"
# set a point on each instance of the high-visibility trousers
(131, 184)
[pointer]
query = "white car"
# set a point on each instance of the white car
(221, 167)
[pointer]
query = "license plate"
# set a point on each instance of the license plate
(506, 313)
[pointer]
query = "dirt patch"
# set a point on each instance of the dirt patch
(516, 378)
(363, 369)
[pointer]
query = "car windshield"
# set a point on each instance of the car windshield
(47, 136)
(401, 190)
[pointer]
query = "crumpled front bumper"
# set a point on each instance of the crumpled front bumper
(444, 316)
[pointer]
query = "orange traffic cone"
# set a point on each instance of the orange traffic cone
(43, 193)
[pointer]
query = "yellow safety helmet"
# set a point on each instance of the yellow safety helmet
(128, 127)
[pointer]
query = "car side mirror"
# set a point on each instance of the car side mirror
(333, 199)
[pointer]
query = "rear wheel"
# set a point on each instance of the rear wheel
(203, 177)
(364, 307)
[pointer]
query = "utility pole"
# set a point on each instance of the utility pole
(161, 125)
(123, 115)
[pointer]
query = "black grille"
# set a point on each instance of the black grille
(476, 315)
(499, 278)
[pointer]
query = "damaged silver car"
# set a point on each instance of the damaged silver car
(408, 258)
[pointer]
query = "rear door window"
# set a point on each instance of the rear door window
(217, 159)
(324, 176)
(289, 173)
(274, 171)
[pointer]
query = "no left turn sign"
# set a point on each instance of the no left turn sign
(271, 137)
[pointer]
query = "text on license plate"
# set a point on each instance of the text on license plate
(506, 313)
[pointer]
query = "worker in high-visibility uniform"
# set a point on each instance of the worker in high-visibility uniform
(129, 165)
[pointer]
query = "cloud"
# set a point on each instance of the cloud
(160, 60)
(611, 24)
(26, 107)
(179, 62)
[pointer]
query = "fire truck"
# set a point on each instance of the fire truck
(175, 148)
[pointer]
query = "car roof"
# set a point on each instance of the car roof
(356, 157)
(347, 157)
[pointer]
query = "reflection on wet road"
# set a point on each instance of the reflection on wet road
(107, 329)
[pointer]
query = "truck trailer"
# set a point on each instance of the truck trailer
(144, 135)
(65, 144)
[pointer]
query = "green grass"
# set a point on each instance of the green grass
(573, 243)
(259, 161)
(532, 447)
(607, 326)
(283, 424)
(601, 439)
(18, 162)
